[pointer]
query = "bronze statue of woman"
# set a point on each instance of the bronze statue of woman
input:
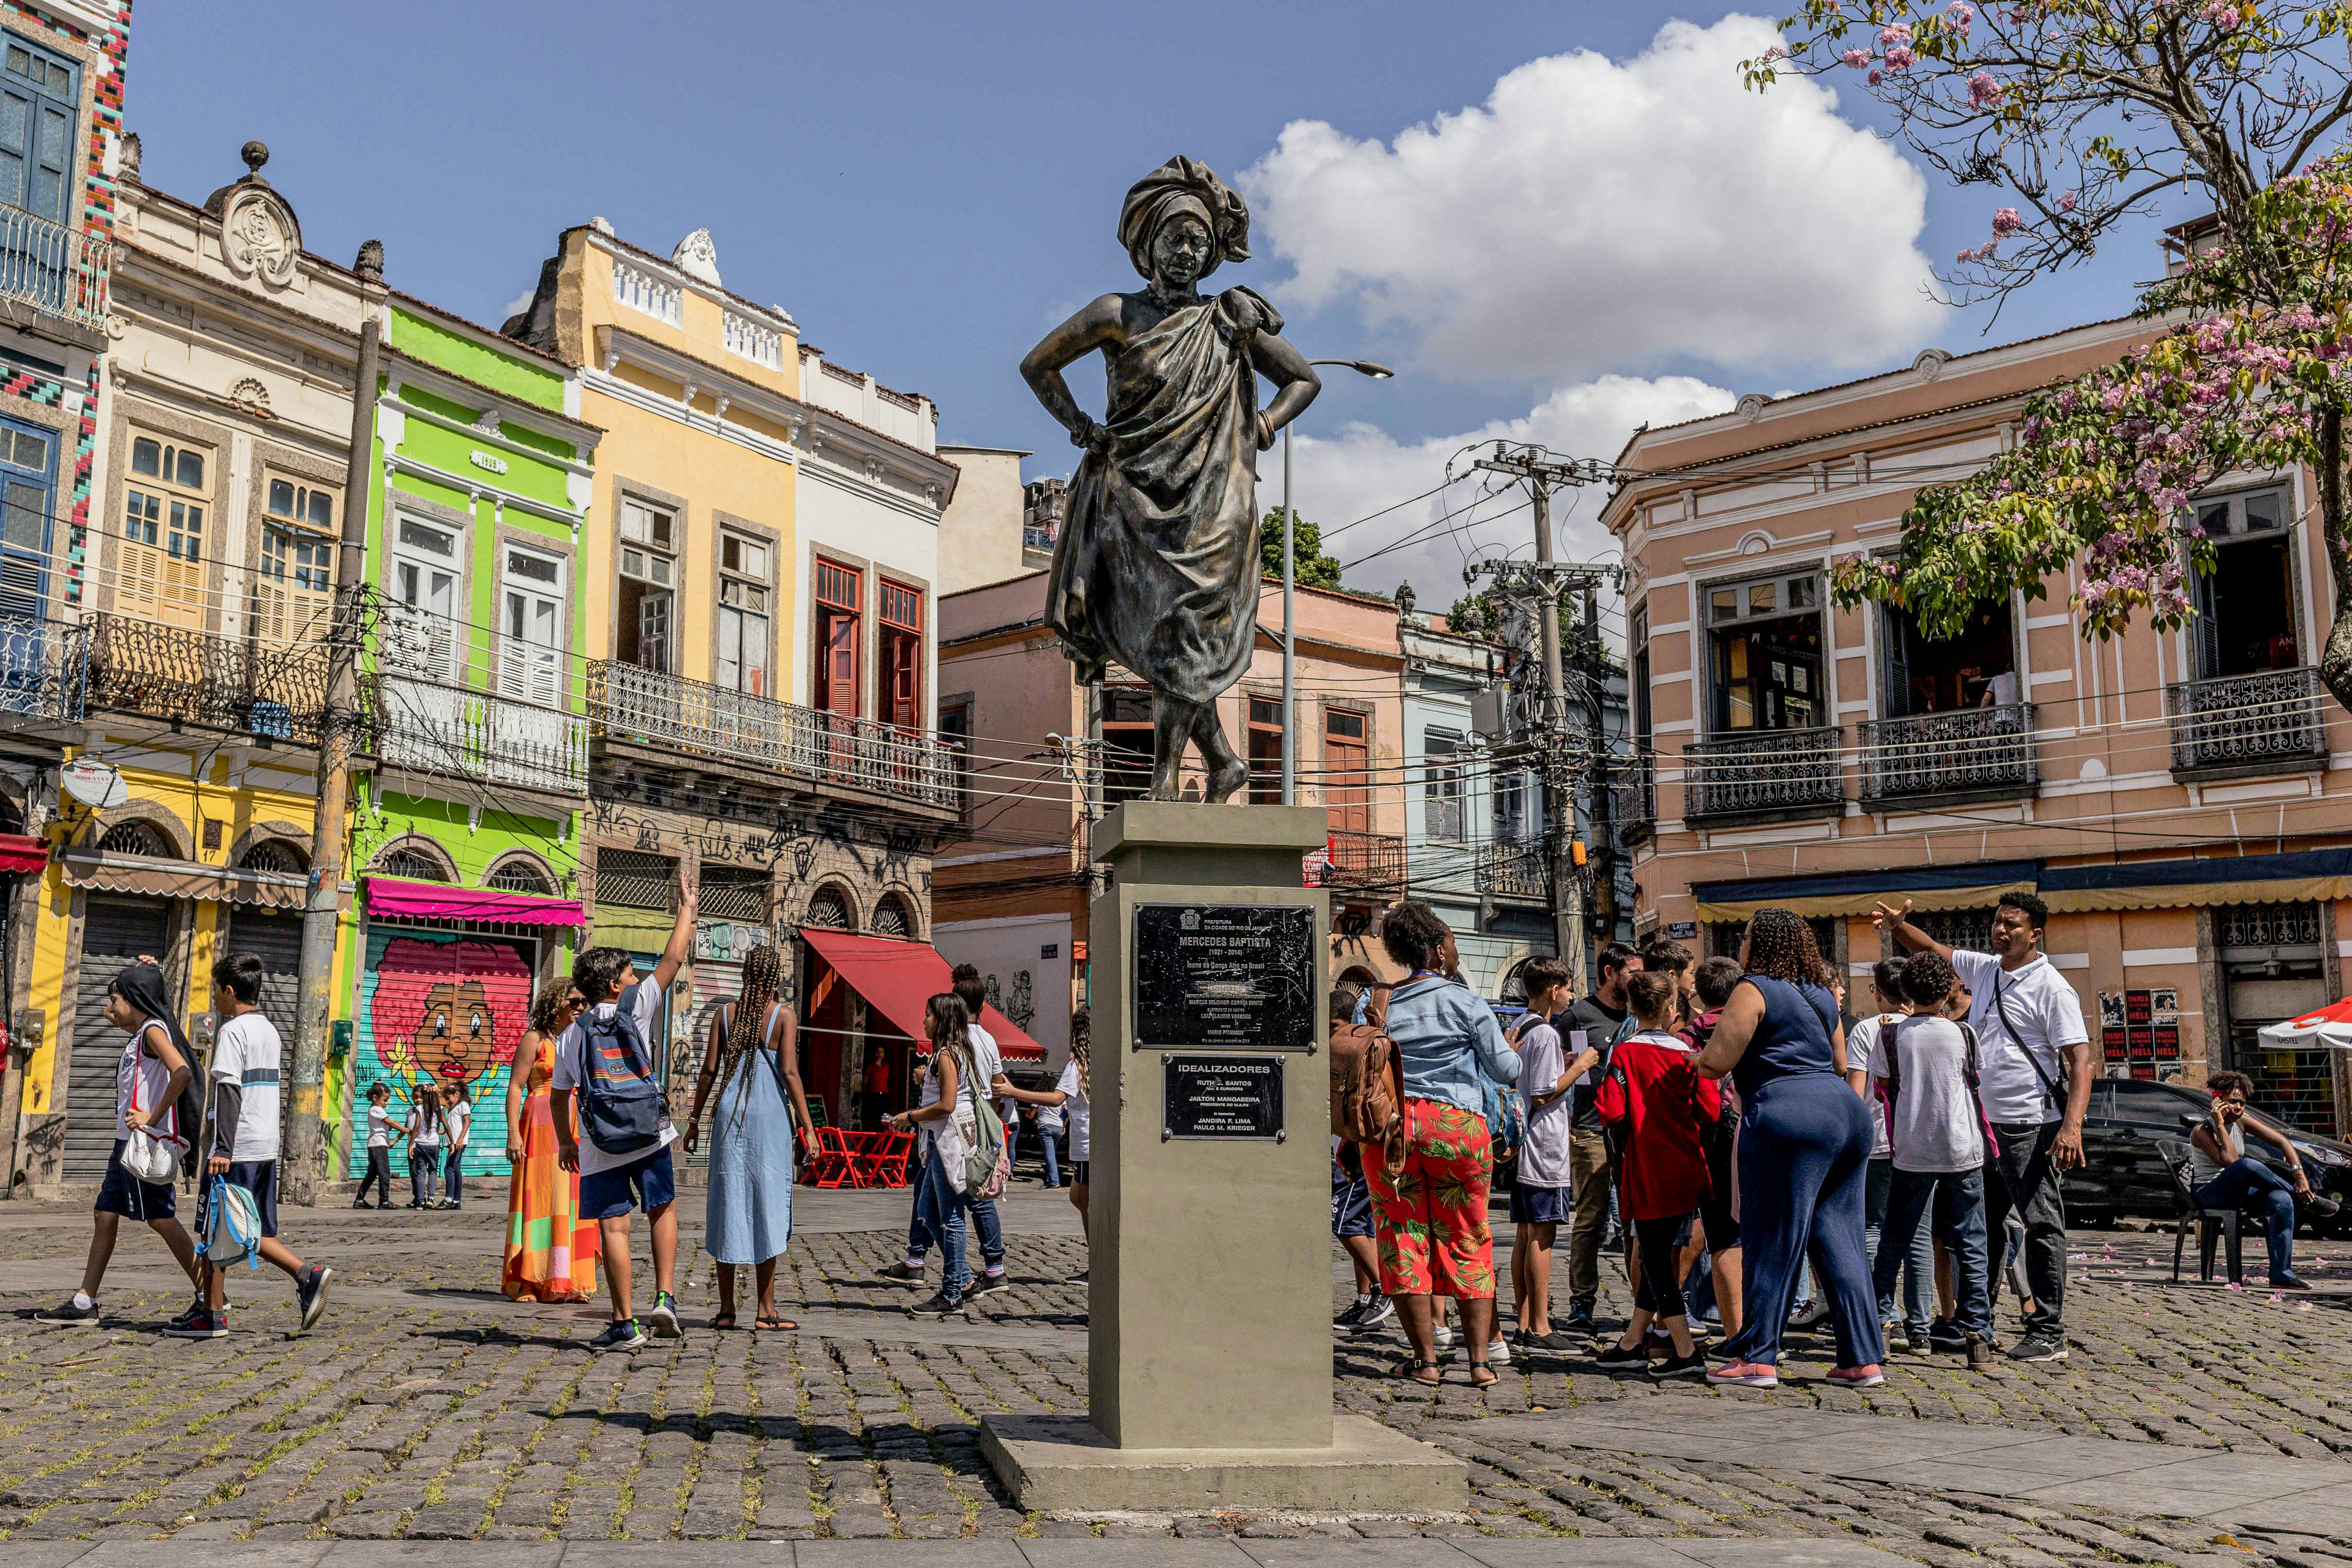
(1158, 565)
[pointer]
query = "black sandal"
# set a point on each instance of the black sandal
(1487, 1381)
(1410, 1369)
(775, 1324)
(722, 1320)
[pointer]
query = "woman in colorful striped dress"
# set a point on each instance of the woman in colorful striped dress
(551, 1250)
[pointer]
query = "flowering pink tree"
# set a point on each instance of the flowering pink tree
(2255, 375)
(2086, 113)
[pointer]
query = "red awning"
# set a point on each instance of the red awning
(392, 897)
(900, 979)
(22, 851)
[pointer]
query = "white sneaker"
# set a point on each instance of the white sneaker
(1444, 1338)
(1499, 1352)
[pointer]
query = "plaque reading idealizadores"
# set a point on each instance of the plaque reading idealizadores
(1221, 1097)
(1236, 976)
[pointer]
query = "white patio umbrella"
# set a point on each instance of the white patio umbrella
(2330, 1026)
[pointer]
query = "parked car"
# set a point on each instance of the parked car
(2123, 1175)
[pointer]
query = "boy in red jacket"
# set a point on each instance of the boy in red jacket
(1661, 1110)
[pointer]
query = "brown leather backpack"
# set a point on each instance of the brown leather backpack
(1368, 1083)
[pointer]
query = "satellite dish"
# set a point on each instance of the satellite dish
(98, 785)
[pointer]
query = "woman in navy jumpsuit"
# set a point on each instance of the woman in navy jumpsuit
(1805, 1152)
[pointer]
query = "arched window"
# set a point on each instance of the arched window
(274, 854)
(135, 838)
(519, 873)
(891, 919)
(414, 865)
(828, 911)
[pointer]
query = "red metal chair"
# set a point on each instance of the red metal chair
(831, 1166)
(883, 1161)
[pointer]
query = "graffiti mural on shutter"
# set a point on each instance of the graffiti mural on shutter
(447, 1006)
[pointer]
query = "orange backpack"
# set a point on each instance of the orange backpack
(1368, 1082)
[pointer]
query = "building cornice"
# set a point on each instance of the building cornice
(500, 497)
(401, 369)
(775, 318)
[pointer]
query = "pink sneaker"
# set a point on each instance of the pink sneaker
(1745, 1374)
(1869, 1376)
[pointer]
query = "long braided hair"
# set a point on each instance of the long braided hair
(1082, 1024)
(763, 970)
(1781, 947)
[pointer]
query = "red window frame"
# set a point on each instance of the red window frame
(840, 655)
(902, 652)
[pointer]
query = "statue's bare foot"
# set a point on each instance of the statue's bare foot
(1225, 780)
(1168, 792)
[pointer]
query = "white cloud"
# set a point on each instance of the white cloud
(519, 303)
(1343, 478)
(1594, 215)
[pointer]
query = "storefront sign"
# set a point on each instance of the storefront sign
(1222, 1097)
(726, 941)
(1239, 975)
(1683, 930)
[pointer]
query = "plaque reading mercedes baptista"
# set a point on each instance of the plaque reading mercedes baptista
(1156, 568)
(1228, 976)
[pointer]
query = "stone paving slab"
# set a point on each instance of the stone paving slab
(1074, 1554)
(2145, 1478)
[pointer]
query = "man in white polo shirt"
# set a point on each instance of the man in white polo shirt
(2035, 1085)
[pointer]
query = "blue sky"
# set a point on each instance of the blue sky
(927, 188)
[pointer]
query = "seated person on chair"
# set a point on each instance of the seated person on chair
(2222, 1176)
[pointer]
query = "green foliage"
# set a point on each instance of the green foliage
(1309, 565)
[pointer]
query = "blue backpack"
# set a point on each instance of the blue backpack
(621, 1106)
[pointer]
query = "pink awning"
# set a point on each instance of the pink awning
(901, 977)
(392, 897)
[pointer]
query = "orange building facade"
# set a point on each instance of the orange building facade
(2181, 800)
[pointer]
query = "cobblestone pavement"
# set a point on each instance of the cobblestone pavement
(425, 1406)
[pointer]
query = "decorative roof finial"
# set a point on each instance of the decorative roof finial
(254, 154)
(370, 265)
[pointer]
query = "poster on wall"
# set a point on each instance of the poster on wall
(2139, 1029)
(441, 1008)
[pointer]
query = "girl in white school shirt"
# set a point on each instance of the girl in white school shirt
(1071, 1095)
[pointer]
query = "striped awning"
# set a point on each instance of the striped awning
(145, 877)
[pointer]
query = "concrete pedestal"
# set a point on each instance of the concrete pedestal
(1209, 1333)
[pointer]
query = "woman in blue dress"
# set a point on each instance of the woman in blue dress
(754, 1058)
(1804, 1154)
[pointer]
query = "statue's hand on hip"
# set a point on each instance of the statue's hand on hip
(1091, 434)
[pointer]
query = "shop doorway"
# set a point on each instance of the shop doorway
(114, 932)
(2272, 971)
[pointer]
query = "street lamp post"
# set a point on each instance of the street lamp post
(1289, 583)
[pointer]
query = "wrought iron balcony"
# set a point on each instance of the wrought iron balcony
(629, 704)
(1367, 863)
(429, 727)
(1633, 799)
(276, 691)
(58, 270)
(1515, 868)
(44, 667)
(1967, 754)
(1037, 538)
(1763, 775)
(2269, 722)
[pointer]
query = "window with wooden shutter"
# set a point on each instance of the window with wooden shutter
(1347, 785)
(531, 645)
(902, 652)
(838, 602)
(743, 613)
(27, 499)
(167, 506)
(646, 593)
(293, 593)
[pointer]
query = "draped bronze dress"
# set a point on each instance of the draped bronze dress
(1156, 568)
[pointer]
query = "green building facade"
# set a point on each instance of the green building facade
(469, 823)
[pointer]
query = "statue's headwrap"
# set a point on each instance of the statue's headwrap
(1182, 185)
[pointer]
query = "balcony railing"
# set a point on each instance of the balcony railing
(1974, 753)
(56, 270)
(1764, 774)
(44, 669)
(1365, 861)
(1036, 539)
(276, 691)
(2269, 722)
(627, 702)
(1515, 868)
(433, 729)
(1633, 799)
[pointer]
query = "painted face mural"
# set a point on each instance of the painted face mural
(449, 1010)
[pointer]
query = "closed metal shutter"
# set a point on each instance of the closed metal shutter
(277, 939)
(114, 932)
(716, 983)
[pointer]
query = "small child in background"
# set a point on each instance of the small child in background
(1714, 982)
(1662, 1110)
(1539, 1193)
(425, 1127)
(381, 1132)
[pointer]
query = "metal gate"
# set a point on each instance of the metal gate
(445, 1004)
(114, 932)
(277, 939)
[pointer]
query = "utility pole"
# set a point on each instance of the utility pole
(305, 1138)
(1594, 668)
(1555, 746)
